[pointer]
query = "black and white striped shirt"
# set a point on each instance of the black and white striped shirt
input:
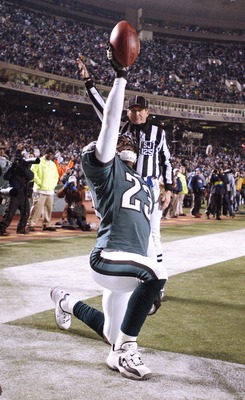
(154, 157)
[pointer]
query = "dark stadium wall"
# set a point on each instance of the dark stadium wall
(219, 13)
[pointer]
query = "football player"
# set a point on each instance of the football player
(119, 262)
(153, 155)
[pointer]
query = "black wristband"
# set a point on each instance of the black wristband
(121, 73)
(89, 84)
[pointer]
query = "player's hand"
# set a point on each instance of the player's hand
(120, 71)
(109, 56)
(82, 70)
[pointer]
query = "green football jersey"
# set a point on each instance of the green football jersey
(123, 201)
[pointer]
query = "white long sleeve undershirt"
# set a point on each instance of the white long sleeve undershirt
(107, 141)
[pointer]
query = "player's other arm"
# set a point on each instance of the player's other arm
(96, 99)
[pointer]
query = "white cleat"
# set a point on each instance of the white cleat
(127, 361)
(62, 318)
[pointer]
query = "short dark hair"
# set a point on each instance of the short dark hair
(49, 150)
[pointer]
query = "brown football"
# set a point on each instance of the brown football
(125, 43)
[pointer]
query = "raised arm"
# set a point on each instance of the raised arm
(107, 140)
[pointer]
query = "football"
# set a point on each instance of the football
(125, 44)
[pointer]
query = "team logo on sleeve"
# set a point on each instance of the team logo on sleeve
(147, 148)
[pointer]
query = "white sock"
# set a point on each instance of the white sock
(122, 338)
(68, 304)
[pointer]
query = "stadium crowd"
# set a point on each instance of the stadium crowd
(36, 132)
(174, 68)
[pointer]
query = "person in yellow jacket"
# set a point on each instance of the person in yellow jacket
(184, 191)
(240, 189)
(45, 181)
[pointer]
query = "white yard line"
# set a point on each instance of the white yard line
(201, 251)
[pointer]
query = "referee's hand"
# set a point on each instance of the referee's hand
(167, 199)
(82, 70)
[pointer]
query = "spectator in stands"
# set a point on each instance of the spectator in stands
(187, 71)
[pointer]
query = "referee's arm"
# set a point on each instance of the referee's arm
(165, 163)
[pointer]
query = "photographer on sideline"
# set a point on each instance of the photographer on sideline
(18, 175)
(75, 211)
